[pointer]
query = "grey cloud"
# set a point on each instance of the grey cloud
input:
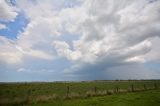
(113, 71)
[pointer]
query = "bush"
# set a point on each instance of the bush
(72, 96)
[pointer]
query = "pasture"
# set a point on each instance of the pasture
(36, 93)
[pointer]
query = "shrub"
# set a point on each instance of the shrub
(110, 92)
(45, 98)
(90, 93)
(72, 95)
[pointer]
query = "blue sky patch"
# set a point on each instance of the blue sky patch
(13, 28)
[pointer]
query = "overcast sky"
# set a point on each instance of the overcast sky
(56, 40)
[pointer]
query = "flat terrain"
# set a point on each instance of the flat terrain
(145, 98)
(74, 93)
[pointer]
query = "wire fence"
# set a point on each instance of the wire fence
(72, 92)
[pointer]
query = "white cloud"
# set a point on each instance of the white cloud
(46, 27)
(63, 49)
(110, 33)
(102, 38)
(9, 53)
(2, 26)
(117, 33)
(7, 12)
(36, 71)
(154, 55)
(21, 70)
(35, 53)
(107, 28)
(12, 53)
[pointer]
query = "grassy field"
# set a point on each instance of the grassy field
(145, 98)
(39, 92)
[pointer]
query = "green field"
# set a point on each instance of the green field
(145, 98)
(71, 92)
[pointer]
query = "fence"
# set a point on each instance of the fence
(95, 91)
(72, 92)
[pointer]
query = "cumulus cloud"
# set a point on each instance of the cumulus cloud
(110, 34)
(116, 33)
(8, 12)
(47, 26)
(2, 26)
(154, 55)
(122, 30)
(8, 53)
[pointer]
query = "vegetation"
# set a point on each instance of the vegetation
(56, 92)
(145, 98)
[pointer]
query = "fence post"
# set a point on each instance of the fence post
(117, 89)
(132, 88)
(145, 87)
(68, 90)
(155, 86)
(28, 95)
(95, 89)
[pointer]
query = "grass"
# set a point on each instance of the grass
(39, 92)
(145, 98)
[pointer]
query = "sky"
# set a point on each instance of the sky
(75, 40)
